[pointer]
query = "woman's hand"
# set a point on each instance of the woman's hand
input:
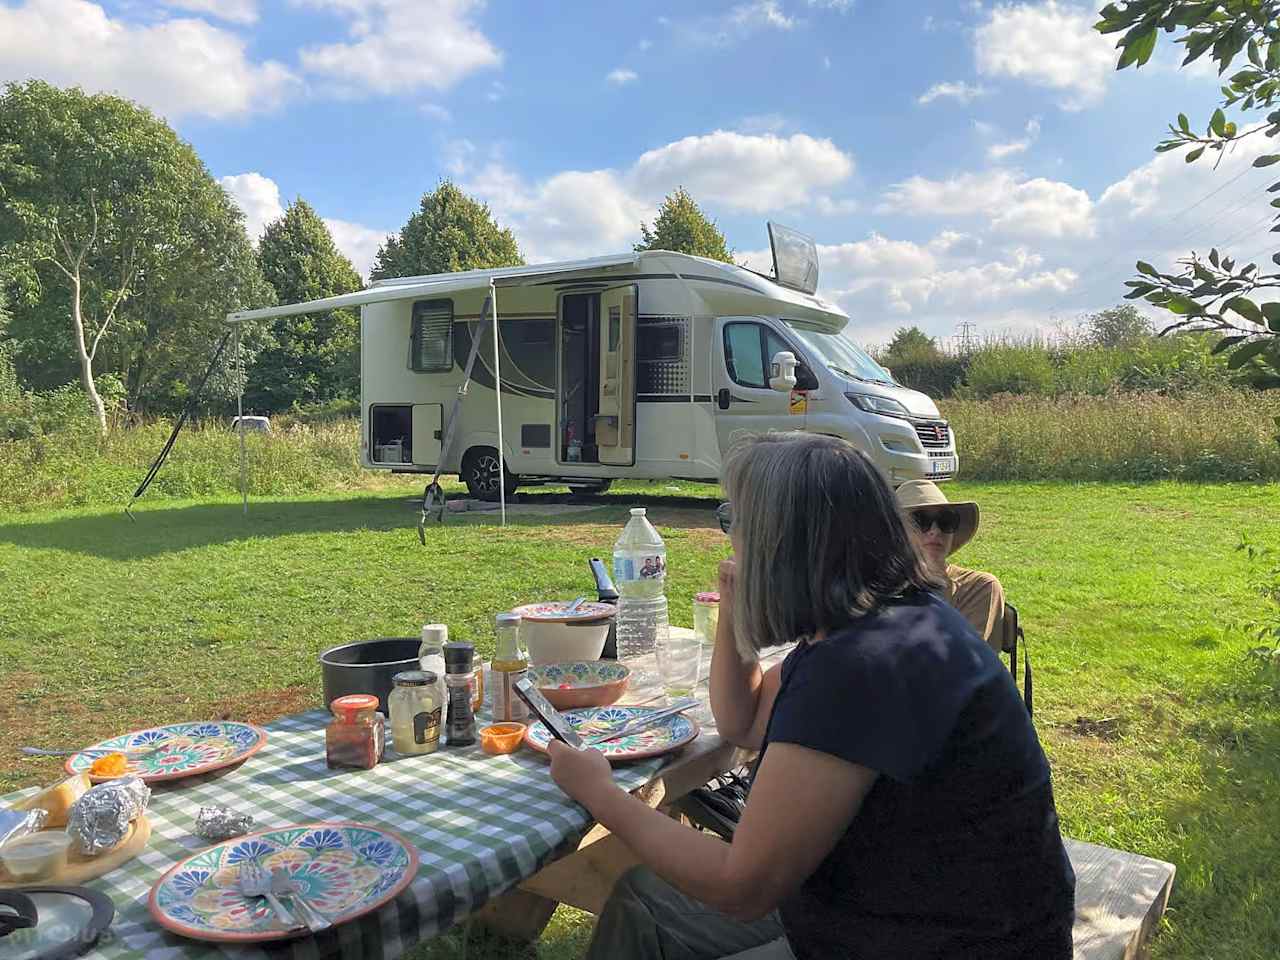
(582, 774)
(728, 578)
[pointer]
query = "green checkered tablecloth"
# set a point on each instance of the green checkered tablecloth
(481, 824)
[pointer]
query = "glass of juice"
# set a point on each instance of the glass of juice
(679, 658)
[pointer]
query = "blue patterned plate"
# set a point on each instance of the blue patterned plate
(185, 749)
(671, 734)
(345, 870)
(581, 683)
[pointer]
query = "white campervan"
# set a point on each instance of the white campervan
(642, 365)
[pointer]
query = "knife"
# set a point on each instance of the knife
(642, 723)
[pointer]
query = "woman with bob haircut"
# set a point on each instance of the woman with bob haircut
(902, 806)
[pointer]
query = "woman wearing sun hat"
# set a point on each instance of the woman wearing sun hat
(944, 527)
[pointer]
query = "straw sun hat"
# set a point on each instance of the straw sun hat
(924, 495)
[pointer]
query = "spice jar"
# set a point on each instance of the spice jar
(460, 681)
(354, 737)
(415, 712)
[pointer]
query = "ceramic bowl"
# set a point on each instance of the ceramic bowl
(502, 738)
(551, 636)
(581, 683)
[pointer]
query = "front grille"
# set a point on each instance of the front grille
(933, 433)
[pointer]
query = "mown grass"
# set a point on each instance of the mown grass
(1129, 594)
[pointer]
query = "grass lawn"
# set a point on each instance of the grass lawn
(1163, 739)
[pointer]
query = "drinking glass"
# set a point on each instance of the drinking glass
(679, 659)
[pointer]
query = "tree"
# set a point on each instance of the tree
(110, 223)
(314, 356)
(1215, 292)
(450, 232)
(683, 227)
(911, 345)
(1118, 326)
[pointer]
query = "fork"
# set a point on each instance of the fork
(286, 885)
(254, 882)
(92, 751)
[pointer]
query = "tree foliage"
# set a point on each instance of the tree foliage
(450, 232)
(310, 357)
(1119, 326)
(125, 254)
(683, 227)
(1215, 291)
(910, 345)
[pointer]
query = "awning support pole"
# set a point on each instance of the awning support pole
(497, 384)
(244, 487)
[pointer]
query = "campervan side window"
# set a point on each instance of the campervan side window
(431, 337)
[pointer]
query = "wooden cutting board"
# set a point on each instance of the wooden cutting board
(80, 868)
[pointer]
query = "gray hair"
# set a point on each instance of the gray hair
(820, 539)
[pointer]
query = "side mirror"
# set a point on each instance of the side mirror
(782, 371)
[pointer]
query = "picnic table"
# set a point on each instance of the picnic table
(496, 839)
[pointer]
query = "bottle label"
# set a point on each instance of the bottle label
(426, 726)
(649, 567)
(509, 708)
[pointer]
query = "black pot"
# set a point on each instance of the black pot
(367, 667)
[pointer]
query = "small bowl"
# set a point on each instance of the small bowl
(502, 738)
(37, 856)
(581, 683)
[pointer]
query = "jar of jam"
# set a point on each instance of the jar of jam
(355, 736)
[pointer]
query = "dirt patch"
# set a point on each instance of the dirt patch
(264, 706)
(1100, 728)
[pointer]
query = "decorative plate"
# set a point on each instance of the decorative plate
(186, 749)
(345, 870)
(553, 611)
(581, 683)
(671, 734)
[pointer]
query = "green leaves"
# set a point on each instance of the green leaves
(1218, 122)
(1272, 313)
(1247, 309)
(1246, 352)
(1148, 269)
(1266, 160)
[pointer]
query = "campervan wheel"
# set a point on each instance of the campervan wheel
(480, 471)
(589, 489)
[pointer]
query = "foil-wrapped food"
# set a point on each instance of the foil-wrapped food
(217, 823)
(100, 819)
(20, 823)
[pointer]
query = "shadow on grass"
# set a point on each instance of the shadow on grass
(162, 530)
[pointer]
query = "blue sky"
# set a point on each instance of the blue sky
(956, 160)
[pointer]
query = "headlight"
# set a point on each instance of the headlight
(881, 405)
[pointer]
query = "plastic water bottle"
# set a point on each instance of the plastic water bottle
(639, 573)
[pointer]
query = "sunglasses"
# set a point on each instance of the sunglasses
(724, 514)
(945, 520)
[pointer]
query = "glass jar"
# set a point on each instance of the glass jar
(460, 681)
(415, 712)
(706, 620)
(354, 737)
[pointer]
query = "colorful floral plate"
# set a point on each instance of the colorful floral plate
(345, 870)
(188, 749)
(671, 734)
(553, 611)
(581, 683)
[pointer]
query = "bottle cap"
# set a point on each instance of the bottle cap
(352, 705)
(709, 597)
(508, 619)
(637, 511)
(414, 678)
(437, 633)
(459, 657)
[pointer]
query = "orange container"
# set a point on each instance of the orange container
(502, 738)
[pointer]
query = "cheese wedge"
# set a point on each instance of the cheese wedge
(57, 799)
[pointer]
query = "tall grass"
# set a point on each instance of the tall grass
(1223, 435)
(77, 467)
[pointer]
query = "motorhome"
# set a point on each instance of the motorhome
(641, 365)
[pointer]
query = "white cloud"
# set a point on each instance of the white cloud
(999, 151)
(644, 45)
(958, 90)
(1048, 44)
(725, 29)
(826, 63)
(180, 67)
(756, 14)
(436, 112)
(258, 197)
(622, 76)
(840, 6)
(400, 46)
(586, 212)
(741, 172)
(358, 242)
(1011, 204)
(233, 11)
(497, 90)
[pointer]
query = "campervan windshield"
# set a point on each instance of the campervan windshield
(841, 355)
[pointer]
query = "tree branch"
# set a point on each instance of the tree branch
(129, 273)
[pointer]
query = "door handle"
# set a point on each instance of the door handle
(722, 398)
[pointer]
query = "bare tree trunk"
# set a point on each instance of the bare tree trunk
(82, 354)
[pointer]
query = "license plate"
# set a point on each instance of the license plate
(942, 465)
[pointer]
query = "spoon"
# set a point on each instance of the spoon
(90, 752)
